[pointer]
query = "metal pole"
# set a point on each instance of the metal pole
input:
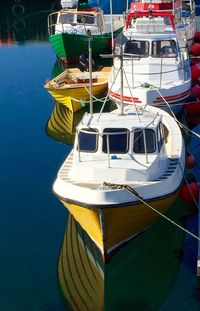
(145, 145)
(108, 148)
(90, 69)
(161, 65)
(126, 7)
(122, 84)
(111, 17)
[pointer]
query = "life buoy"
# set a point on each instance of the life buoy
(73, 31)
(18, 10)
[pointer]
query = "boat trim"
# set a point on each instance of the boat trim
(114, 205)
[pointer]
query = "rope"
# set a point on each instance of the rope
(184, 127)
(95, 98)
(132, 191)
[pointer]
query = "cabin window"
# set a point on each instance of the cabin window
(88, 140)
(138, 143)
(160, 136)
(164, 48)
(116, 140)
(137, 48)
(66, 19)
(85, 19)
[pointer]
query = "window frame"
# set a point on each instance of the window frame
(137, 55)
(160, 55)
(123, 131)
(85, 131)
(141, 132)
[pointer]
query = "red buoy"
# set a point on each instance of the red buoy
(196, 90)
(193, 119)
(197, 35)
(190, 161)
(189, 193)
(195, 49)
(194, 61)
(195, 72)
(193, 108)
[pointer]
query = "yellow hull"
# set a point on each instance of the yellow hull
(81, 276)
(76, 98)
(119, 223)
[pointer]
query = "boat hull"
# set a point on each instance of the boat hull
(73, 45)
(111, 226)
(76, 98)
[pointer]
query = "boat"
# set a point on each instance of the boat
(68, 31)
(156, 71)
(88, 283)
(183, 13)
(123, 173)
(72, 87)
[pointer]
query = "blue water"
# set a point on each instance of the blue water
(33, 221)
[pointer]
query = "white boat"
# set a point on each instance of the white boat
(156, 71)
(181, 12)
(126, 167)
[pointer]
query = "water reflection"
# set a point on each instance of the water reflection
(22, 21)
(62, 123)
(138, 277)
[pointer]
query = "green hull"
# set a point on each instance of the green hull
(73, 45)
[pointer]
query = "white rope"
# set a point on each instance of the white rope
(164, 216)
(132, 191)
(95, 98)
(180, 124)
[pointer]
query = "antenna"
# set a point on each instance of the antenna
(90, 69)
(121, 75)
(111, 17)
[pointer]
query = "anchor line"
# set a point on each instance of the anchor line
(184, 127)
(133, 192)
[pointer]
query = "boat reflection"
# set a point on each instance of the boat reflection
(62, 123)
(22, 21)
(139, 276)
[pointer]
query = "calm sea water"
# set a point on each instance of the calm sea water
(33, 222)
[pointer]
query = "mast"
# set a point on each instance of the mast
(121, 77)
(90, 69)
(111, 17)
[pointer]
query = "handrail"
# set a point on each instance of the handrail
(157, 73)
(108, 134)
(50, 23)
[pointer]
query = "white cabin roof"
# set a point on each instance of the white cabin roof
(129, 120)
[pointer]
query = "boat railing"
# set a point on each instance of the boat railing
(51, 22)
(161, 74)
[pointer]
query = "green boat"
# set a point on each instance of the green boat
(68, 31)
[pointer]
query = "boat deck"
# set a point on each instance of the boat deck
(65, 169)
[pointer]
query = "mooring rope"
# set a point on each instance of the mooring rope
(184, 127)
(133, 192)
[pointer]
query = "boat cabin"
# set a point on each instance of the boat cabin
(75, 17)
(74, 21)
(129, 144)
(154, 48)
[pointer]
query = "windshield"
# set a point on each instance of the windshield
(164, 48)
(137, 48)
